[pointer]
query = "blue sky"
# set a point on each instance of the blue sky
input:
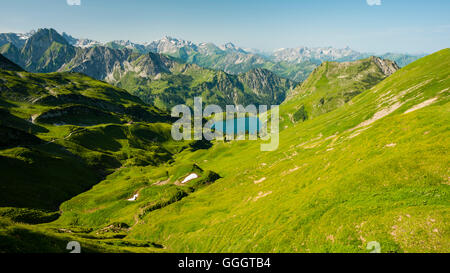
(386, 25)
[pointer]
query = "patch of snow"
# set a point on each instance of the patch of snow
(190, 177)
(134, 198)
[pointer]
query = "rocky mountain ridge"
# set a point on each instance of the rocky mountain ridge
(156, 78)
(293, 63)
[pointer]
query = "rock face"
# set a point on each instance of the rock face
(388, 67)
(11, 52)
(6, 64)
(151, 64)
(266, 85)
(97, 62)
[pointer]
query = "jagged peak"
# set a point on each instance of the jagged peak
(46, 31)
(388, 67)
(50, 33)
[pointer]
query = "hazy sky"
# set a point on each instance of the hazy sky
(366, 25)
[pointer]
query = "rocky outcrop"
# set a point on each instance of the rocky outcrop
(388, 67)
(267, 85)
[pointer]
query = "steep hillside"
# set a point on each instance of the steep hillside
(42, 51)
(373, 170)
(63, 133)
(332, 85)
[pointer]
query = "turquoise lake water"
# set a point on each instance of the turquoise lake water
(252, 125)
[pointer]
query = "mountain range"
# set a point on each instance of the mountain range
(158, 79)
(292, 63)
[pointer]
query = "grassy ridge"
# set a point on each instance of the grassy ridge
(330, 86)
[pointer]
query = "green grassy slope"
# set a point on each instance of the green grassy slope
(20, 238)
(372, 170)
(61, 133)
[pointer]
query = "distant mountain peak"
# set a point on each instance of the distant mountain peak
(303, 53)
(231, 47)
(48, 35)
